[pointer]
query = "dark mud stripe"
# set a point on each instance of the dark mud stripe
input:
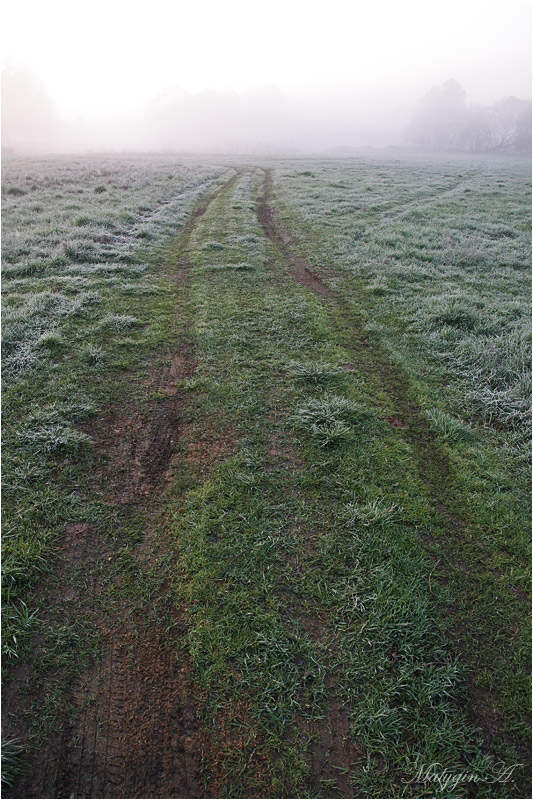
(138, 446)
(134, 730)
(299, 268)
(434, 467)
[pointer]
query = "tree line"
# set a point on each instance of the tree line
(443, 121)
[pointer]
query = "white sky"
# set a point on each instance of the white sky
(107, 57)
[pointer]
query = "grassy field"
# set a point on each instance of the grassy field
(266, 477)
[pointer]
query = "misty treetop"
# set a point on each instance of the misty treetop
(257, 121)
(443, 121)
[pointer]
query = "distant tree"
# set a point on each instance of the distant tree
(441, 118)
(217, 120)
(502, 127)
(477, 134)
(28, 116)
(442, 121)
(511, 125)
(523, 132)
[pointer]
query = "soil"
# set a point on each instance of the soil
(299, 268)
(139, 445)
(433, 465)
(133, 729)
(136, 733)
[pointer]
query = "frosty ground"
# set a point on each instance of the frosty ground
(266, 470)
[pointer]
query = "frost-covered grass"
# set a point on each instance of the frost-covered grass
(81, 306)
(432, 260)
(75, 226)
(314, 374)
(442, 250)
(322, 564)
(331, 419)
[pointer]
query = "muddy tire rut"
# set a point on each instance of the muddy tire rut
(409, 420)
(133, 729)
(138, 446)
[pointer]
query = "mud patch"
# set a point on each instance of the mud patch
(300, 269)
(396, 422)
(137, 732)
(139, 445)
(78, 542)
(332, 752)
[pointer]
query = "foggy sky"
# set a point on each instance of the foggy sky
(290, 74)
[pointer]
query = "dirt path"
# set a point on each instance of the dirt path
(299, 268)
(133, 730)
(134, 726)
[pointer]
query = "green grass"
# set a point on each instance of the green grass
(401, 681)
(60, 346)
(356, 547)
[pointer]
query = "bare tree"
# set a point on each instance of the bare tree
(511, 125)
(440, 119)
(28, 116)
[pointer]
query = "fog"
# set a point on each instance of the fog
(281, 77)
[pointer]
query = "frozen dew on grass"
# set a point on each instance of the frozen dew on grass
(379, 286)
(213, 246)
(51, 430)
(32, 330)
(84, 221)
(330, 433)
(313, 373)
(331, 419)
(372, 512)
(331, 407)
(93, 355)
(449, 428)
(118, 322)
(496, 375)
(51, 341)
(54, 438)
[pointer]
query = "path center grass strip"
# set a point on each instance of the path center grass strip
(318, 516)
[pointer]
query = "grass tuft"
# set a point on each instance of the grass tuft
(373, 512)
(313, 373)
(449, 428)
(12, 760)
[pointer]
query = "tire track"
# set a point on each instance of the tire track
(129, 235)
(328, 744)
(400, 209)
(139, 446)
(410, 422)
(299, 268)
(133, 727)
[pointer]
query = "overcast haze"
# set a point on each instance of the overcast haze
(315, 74)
